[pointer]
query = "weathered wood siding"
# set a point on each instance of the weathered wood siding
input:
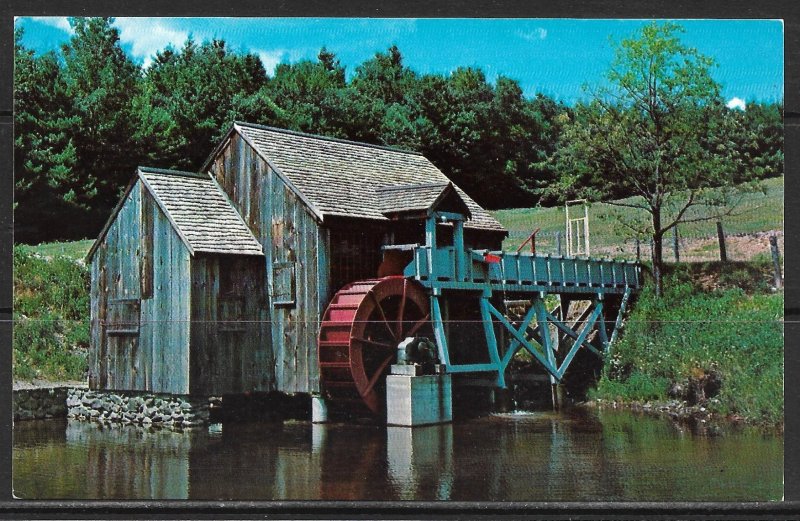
(293, 241)
(140, 343)
(230, 337)
(355, 253)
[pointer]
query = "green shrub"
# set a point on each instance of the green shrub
(694, 331)
(51, 316)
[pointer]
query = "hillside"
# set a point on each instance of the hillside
(51, 314)
(756, 212)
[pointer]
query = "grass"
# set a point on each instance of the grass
(51, 315)
(755, 212)
(75, 250)
(717, 323)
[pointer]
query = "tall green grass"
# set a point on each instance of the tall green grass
(714, 319)
(51, 316)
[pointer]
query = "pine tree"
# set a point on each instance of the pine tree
(47, 190)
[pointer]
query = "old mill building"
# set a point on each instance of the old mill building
(215, 282)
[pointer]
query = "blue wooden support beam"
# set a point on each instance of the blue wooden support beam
(430, 242)
(438, 331)
(491, 340)
(572, 334)
(473, 368)
(514, 345)
(450, 216)
(618, 323)
(602, 331)
(458, 249)
(598, 310)
(549, 367)
(544, 334)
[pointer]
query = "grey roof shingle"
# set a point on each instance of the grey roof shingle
(407, 198)
(416, 198)
(201, 211)
(342, 177)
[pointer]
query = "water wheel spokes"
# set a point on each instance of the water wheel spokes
(359, 335)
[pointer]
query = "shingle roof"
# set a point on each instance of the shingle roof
(201, 212)
(416, 198)
(341, 178)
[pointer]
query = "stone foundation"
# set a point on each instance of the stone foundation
(151, 410)
(37, 404)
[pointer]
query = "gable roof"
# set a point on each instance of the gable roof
(340, 178)
(199, 211)
(419, 198)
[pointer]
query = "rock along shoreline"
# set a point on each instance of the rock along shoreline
(699, 416)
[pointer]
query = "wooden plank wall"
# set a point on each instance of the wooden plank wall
(355, 253)
(165, 317)
(98, 294)
(289, 233)
(230, 339)
(115, 276)
(155, 359)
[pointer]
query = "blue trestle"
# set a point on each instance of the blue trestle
(459, 272)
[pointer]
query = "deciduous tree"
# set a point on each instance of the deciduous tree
(656, 132)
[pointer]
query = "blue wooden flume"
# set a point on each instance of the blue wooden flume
(456, 272)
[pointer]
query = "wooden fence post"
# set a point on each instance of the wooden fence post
(558, 242)
(675, 244)
(723, 253)
(776, 260)
(638, 250)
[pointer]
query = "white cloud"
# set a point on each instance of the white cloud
(59, 22)
(270, 59)
(148, 36)
(540, 33)
(736, 103)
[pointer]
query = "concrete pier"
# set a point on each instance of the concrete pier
(319, 409)
(418, 400)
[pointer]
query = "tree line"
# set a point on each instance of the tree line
(87, 115)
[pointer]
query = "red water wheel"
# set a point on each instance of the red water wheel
(359, 335)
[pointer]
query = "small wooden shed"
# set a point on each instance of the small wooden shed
(172, 277)
(216, 282)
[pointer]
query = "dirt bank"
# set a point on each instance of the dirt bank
(45, 384)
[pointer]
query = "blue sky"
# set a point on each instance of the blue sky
(551, 56)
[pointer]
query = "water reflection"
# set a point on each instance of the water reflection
(420, 462)
(517, 456)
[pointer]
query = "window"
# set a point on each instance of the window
(123, 316)
(283, 283)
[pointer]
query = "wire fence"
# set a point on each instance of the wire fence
(676, 246)
(742, 235)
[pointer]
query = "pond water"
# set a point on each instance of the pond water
(577, 455)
